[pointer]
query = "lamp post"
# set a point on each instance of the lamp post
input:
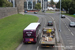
(59, 22)
(60, 18)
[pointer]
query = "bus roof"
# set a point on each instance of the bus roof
(32, 26)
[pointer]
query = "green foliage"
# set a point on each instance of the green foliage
(72, 8)
(5, 3)
(11, 30)
(58, 5)
(64, 4)
(38, 6)
(1, 1)
(52, 3)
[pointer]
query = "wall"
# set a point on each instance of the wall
(7, 11)
(20, 5)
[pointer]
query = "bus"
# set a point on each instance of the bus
(30, 33)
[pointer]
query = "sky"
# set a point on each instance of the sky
(54, 0)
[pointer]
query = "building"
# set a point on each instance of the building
(28, 4)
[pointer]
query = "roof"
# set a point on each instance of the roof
(32, 26)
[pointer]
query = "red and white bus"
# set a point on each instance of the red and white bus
(30, 33)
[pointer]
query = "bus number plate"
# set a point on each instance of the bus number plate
(29, 42)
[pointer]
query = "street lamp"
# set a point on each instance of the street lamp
(58, 37)
(60, 18)
(60, 15)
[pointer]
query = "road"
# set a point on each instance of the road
(43, 19)
(66, 36)
(67, 33)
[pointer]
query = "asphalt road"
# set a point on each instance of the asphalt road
(43, 19)
(67, 33)
(66, 36)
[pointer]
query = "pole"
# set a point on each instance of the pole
(60, 20)
(43, 4)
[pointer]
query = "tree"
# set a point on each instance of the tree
(38, 6)
(72, 8)
(66, 4)
(1, 1)
(58, 5)
(52, 3)
(5, 3)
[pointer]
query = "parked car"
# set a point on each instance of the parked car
(35, 12)
(25, 11)
(50, 23)
(62, 16)
(72, 24)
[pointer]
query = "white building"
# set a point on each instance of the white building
(30, 4)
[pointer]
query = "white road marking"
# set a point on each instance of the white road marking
(57, 37)
(69, 29)
(37, 47)
(18, 48)
(62, 47)
(53, 19)
(65, 24)
(72, 34)
(68, 19)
